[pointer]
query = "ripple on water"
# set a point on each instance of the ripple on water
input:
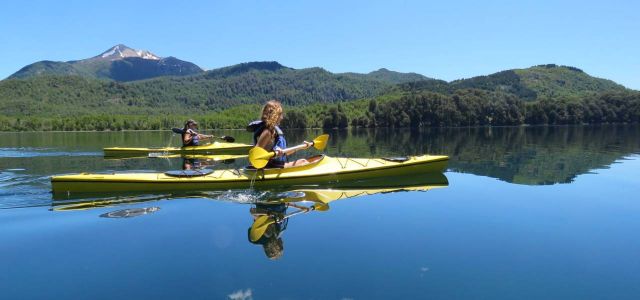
(238, 196)
(23, 190)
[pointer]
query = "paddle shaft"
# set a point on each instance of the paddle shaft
(300, 211)
(259, 157)
(225, 138)
(290, 150)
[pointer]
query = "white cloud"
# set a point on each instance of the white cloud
(241, 295)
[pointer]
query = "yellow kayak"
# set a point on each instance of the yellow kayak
(417, 182)
(213, 148)
(322, 170)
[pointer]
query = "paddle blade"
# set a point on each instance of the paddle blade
(228, 139)
(259, 157)
(321, 206)
(259, 227)
(177, 130)
(321, 142)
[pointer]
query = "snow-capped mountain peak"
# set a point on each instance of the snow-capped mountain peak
(121, 51)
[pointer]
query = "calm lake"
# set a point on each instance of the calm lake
(523, 213)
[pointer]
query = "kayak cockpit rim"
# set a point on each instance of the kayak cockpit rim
(313, 161)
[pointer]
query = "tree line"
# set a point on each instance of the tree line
(469, 107)
(481, 108)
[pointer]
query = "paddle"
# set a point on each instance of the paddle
(225, 138)
(260, 225)
(259, 157)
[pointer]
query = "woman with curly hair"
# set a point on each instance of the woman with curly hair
(267, 135)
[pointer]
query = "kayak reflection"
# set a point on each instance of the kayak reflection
(117, 199)
(271, 209)
(271, 216)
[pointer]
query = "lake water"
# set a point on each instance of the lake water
(527, 213)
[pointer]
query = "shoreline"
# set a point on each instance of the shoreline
(347, 128)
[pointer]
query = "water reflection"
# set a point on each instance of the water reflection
(523, 155)
(271, 216)
(535, 155)
(271, 210)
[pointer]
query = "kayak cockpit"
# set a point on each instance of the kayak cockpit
(313, 161)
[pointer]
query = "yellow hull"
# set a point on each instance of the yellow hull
(213, 148)
(415, 182)
(323, 170)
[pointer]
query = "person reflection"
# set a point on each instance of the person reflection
(270, 219)
(271, 239)
(191, 164)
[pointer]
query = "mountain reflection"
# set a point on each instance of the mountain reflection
(522, 155)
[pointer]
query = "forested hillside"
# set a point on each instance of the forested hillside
(229, 97)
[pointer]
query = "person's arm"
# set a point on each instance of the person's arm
(186, 137)
(308, 144)
(265, 140)
(204, 136)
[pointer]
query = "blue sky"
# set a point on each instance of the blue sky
(441, 39)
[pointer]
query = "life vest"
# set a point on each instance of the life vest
(257, 127)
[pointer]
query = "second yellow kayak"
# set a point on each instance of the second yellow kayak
(213, 148)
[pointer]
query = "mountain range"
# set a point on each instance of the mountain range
(119, 63)
(126, 81)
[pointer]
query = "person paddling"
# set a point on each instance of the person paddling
(190, 137)
(268, 135)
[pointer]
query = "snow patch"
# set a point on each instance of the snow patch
(146, 54)
(110, 52)
(121, 52)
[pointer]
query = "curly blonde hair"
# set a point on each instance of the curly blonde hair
(271, 113)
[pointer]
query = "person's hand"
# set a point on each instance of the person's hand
(278, 152)
(308, 144)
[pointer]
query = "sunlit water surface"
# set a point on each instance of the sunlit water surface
(528, 213)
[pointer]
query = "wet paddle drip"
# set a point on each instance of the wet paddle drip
(253, 178)
(248, 196)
